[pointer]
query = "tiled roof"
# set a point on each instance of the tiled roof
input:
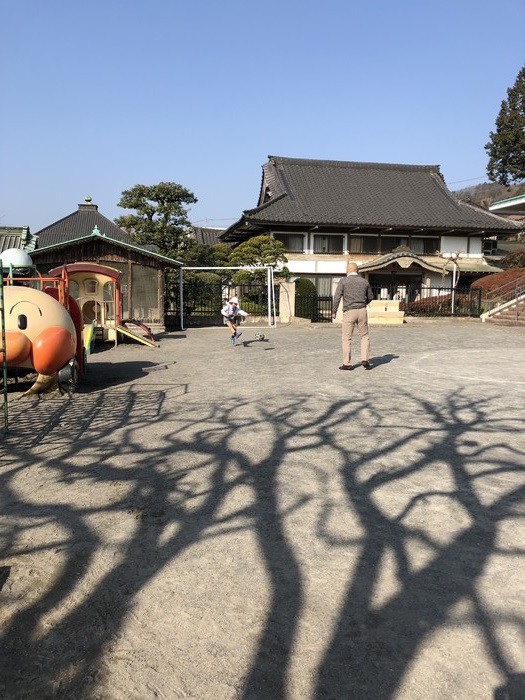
(151, 251)
(17, 237)
(207, 236)
(375, 195)
(78, 224)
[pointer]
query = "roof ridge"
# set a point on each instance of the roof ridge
(265, 205)
(283, 160)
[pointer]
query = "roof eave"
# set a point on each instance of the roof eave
(122, 244)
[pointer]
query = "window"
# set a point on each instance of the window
(73, 289)
(370, 244)
(389, 243)
(108, 291)
(328, 244)
(356, 244)
(90, 286)
(424, 246)
(293, 243)
(323, 284)
(490, 246)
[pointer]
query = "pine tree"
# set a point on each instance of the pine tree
(506, 148)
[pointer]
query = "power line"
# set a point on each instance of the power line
(200, 221)
(457, 182)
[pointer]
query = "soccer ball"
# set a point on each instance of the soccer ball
(259, 336)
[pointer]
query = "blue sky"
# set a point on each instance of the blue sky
(100, 96)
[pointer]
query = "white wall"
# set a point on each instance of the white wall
(450, 245)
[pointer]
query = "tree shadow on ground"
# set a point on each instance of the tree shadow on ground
(95, 439)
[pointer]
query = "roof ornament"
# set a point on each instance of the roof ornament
(87, 199)
(97, 232)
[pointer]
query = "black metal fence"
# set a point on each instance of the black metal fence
(317, 309)
(432, 301)
(414, 301)
(203, 301)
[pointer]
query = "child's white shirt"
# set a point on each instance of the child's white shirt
(230, 310)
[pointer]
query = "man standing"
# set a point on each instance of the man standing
(356, 294)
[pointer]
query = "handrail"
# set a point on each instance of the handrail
(507, 284)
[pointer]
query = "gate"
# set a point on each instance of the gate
(316, 309)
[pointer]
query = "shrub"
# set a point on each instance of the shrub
(305, 288)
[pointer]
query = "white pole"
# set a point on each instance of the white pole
(454, 289)
(181, 300)
(269, 295)
(273, 298)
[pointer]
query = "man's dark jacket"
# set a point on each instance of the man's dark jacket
(355, 291)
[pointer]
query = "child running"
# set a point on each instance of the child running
(230, 313)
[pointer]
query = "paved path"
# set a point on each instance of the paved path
(210, 521)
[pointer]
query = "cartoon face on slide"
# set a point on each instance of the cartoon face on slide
(39, 331)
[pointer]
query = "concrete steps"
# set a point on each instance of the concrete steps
(508, 316)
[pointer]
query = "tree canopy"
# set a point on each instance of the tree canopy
(160, 216)
(506, 148)
(259, 250)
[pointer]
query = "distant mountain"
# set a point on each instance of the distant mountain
(488, 192)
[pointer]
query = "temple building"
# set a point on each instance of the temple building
(399, 223)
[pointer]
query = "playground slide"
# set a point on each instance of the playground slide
(89, 336)
(149, 341)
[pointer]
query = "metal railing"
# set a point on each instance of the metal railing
(416, 300)
(506, 297)
(315, 308)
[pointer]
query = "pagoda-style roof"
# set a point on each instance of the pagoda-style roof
(88, 224)
(305, 192)
(82, 222)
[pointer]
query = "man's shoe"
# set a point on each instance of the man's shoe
(238, 335)
(366, 364)
(346, 367)
(232, 339)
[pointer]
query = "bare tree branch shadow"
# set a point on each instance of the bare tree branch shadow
(92, 440)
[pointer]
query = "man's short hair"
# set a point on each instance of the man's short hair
(351, 267)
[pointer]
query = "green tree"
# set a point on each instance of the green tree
(506, 148)
(200, 255)
(160, 216)
(259, 250)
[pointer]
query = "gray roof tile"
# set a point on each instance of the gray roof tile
(207, 235)
(78, 224)
(341, 193)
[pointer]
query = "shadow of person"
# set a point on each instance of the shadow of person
(382, 360)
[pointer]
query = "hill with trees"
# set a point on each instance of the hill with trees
(486, 193)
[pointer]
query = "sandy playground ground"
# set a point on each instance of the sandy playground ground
(207, 521)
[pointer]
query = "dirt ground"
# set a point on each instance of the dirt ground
(208, 521)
